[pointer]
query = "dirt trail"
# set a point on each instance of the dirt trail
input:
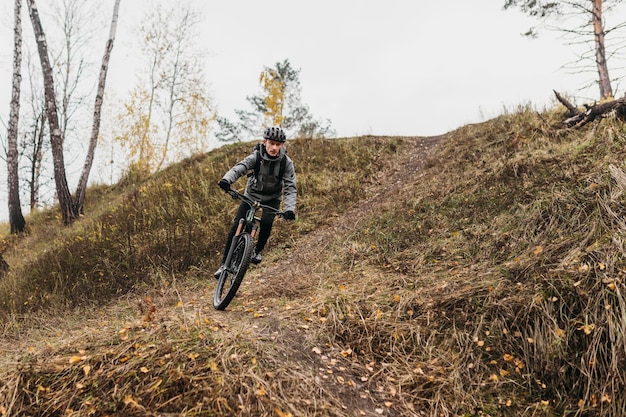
(257, 311)
(303, 260)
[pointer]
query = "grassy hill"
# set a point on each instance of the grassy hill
(476, 273)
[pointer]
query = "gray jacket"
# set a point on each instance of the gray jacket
(266, 186)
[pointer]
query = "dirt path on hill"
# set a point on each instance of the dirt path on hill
(303, 260)
(257, 309)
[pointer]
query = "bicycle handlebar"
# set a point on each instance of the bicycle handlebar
(236, 195)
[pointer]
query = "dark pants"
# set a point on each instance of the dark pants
(265, 228)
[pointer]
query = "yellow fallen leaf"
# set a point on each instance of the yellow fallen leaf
(86, 370)
(129, 400)
(507, 357)
(587, 328)
(75, 359)
(212, 365)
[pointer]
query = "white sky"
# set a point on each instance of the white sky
(399, 67)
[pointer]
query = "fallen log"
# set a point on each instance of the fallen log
(577, 118)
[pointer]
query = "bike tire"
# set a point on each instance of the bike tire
(230, 279)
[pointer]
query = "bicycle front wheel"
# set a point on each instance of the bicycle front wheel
(233, 273)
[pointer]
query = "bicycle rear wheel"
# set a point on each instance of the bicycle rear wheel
(233, 274)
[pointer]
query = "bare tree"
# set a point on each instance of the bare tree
(75, 19)
(169, 112)
(16, 218)
(32, 145)
(95, 129)
(56, 134)
(583, 21)
(70, 209)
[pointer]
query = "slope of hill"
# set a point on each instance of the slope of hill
(477, 273)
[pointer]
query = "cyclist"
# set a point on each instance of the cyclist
(273, 178)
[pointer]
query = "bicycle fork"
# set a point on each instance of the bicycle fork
(235, 240)
(233, 244)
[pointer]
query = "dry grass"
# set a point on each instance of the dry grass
(483, 276)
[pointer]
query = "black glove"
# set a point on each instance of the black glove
(224, 185)
(290, 215)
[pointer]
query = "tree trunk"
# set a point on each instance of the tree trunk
(37, 157)
(16, 218)
(79, 201)
(606, 92)
(56, 137)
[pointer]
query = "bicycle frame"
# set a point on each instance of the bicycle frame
(240, 251)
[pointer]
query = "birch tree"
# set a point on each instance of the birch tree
(56, 138)
(70, 208)
(16, 218)
(79, 199)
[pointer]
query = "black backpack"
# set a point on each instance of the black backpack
(257, 165)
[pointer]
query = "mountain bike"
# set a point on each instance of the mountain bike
(240, 251)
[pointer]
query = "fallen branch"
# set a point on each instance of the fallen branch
(577, 118)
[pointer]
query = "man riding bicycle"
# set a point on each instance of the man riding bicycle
(273, 178)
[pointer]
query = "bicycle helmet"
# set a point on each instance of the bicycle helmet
(274, 133)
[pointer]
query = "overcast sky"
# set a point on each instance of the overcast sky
(399, 67)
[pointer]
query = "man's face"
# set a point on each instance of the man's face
(272, 147)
